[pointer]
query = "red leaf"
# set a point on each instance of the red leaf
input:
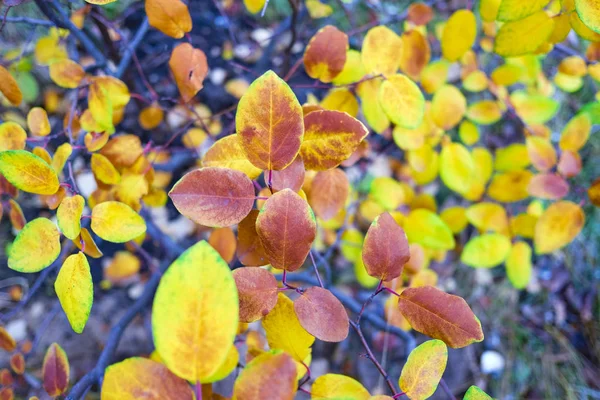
(385, 249)
(322, 315)
(56, 371)
(257, 290)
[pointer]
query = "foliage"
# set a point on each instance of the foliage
(405, 120)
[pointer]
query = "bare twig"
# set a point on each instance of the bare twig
(127, 56)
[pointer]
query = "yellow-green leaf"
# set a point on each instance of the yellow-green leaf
(518, 265)
(117, 222)
(68, 216)
(336, 386)
(486, 251)
(195, 313)
(589, 13)
(28, 172)
(402, 101)
(523, 36)
(424, 369)
(35, 247)
(427, 228)
(457, 168)
(513, 10)
(459, 34)
(474, 393)
(75, 290)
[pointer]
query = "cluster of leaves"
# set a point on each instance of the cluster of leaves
(436, 111)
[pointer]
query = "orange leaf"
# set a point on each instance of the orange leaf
(440, 315)
(55, 371)
(189, 67)
(171, 17)
(214, 196)
(6, 340)
(17, 363)
(325, 54)
(385, 249)
(328, 192)
(322, 315)
(9, 87)
(257, 291)
(250, 250)
(415, 54)
(269, 122)
(330, 137)
(223, 241)
(139, 377)
(66, 73)
(287, 228)
(271, 375)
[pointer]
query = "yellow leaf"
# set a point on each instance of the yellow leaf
(484, 112)
(36, 246)
(66, 73)
(171, 17)
(486, 251)
(116, 222)
(100, 2)
(37, 122)
(381, 51)
(199, 307)
(231, 361)
(103, 170)
(75, 290)
(317, 10)
(455, 217)
(487, 216)
(402, 101)
(227, 153)
(389, 193)
(589, 12)
(254, 6)
(518, 265)
(376, 118)
(468, 133)
(510, 186)
(150, 117)
(68, 216)
(488, 9)
(541, 153)
(523, 36)
(351, 245)
(459, 34)
(558, 226)
(576, 133)
(62, 154)
(456, 167)
(513, 10)
(434, 75)
(423, 370)
(512, 157)
(12, 136)
(534, 108)
(335, 386)
(341, 100)
(284, 331)
(353, 70)
(28, 172)
(427, 228)
(448, 107)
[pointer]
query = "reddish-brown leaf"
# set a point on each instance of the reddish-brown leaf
(249, 248)
(569, 164)
(6, 378)
(291, 177)
(189, 67)
(287, 228)
(257, 290)
(548, 186)
(214, 196)
(223, 241)
(385, 249)
(271, 375)
(330, 137)
(440, 315)
(269, 123)
(55, 371)
(419, 13)
(17, 363)
(328, 192)
(325, 54)
(6, 341)
(322, 315)
(8, 393)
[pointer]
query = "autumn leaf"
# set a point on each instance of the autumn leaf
(37, 122)
(518, 265)
(214, 196)
(402, 101)
(227, 152)
(69, 214)
(524, 36)
(589, 13)
(187, 295)
(284, 330)
(425, 227)
(250, 250)
(291, 177)
(189, 67)
(330, 137)
(440, 315)
(336, 386)
(9, 87)
(66, 73)
(28, 172)
(136, 376)
(12, 136)
(85, 243)
(75, 290)
(55, 371)
(270, 375)
(322, 315)
(459, 34)
(287, 228)
(416, 54)
(381, 51)
(558, 226)
(257, 291)
(475, 393)
(35, 247)
(116, 222)
(170, 17)
(269, 122)
(486, 251)
(325, 54)
(328, 193)
(424, 369)
(385, 249)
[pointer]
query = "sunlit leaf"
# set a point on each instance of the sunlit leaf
(513, 10)
(35, 247)
(523, 36)
(426, 228)
(336, 386)
(459, 34)
(75, 290)
(37, 122)
(69, 214)
(325, 54)
(474, 393)
(171, 17)
(12, 136)
(385, 249)
(66, 73)
(28, 172)
(518, 265)
(381, 51)
(424, 369)
(228, 153)
(189, 67)
(116, 222)
(558, 226)
(199, 306)
(486, 251)
(402, 101)
(9, 87)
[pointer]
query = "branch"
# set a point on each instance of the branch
(61, 20)
(27, 20)
(130, 50)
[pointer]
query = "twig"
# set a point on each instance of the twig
(446, 389)
(27, 20)
(137, 39)
(312, 258)
(371, 356)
